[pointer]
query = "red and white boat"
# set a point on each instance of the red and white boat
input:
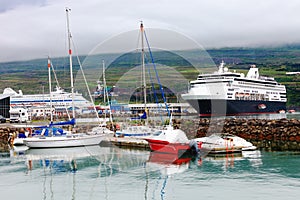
(169, 140)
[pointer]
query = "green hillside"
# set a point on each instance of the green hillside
(32, 76)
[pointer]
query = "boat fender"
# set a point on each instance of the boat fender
(11, 139)
(29, 131)
(199, 144)
(196, 145)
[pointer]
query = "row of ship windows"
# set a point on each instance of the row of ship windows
(241, 94)
(255, 97)
(253, 91)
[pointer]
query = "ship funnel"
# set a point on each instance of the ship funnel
(221, 67)
(253, 72)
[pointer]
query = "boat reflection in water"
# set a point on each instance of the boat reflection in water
(228, 160)
(113, 157)
(168, 165)
(97, 172)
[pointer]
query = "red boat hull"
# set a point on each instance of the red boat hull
(167, 158)
(166, 147)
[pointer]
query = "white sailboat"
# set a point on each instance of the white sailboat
(102, 128)
(142, 130)
(69, 139)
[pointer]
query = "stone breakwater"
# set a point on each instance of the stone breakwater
(5, 133)
(280, 134)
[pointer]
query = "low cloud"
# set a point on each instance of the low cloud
(37, 28)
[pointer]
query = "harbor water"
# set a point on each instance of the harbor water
(114, 173)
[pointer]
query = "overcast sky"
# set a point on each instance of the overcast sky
(37, 28)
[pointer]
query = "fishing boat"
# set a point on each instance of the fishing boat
(230, 93)
(69, 139)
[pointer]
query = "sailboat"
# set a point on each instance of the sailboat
(69, 139)
(141, 130)
(102, 128)
(44, 130)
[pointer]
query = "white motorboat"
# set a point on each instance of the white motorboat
(221, 143)
(239, 142)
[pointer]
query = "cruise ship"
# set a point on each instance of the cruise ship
(231, 93)
(60, 99)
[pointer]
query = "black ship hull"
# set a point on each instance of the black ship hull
(219, 107)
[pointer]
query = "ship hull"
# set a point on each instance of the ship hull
(219, 107)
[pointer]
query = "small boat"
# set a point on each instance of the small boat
(135, 131)
(169, 140)
(291, 111)
(239, 142)
(221, 143)
(261, 106)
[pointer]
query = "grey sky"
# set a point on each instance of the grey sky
(37, 28)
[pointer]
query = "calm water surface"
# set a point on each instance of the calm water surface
(115, 173)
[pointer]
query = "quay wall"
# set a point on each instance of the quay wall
(274, 135)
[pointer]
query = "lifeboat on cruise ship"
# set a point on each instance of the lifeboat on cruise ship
(292, 111)
(262, 106)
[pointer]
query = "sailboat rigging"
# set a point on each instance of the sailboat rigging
(143, 130)
(68, 139)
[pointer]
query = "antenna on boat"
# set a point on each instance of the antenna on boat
(70, 60)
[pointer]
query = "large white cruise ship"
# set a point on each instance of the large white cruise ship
(60, 99)
(230, 93)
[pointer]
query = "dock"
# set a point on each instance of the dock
(127, 142)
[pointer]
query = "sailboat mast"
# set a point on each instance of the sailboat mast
(70, 60)
(143, 65)
(104, 82)
(50, 93)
